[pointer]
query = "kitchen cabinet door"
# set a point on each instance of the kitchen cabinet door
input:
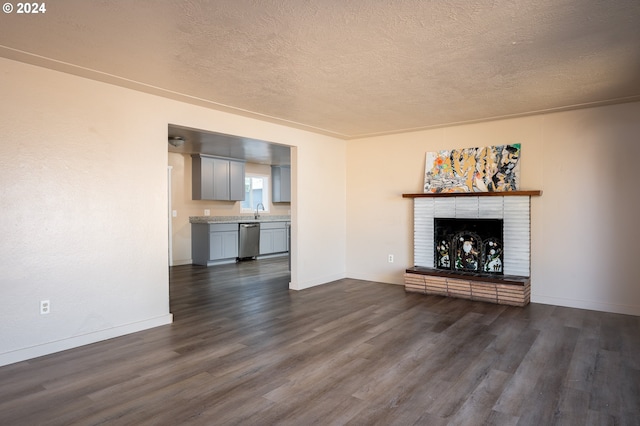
(201, 178)
(220, 180)
(216, 247)
(279, 240)
(223, 245)
(273, 238)
(266, 241)
(281, 184)
(236, 180)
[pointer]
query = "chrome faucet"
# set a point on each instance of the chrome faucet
(257, 207)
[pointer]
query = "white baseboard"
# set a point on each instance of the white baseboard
(182, 262)
(587, 304)
(393, 277)
(268, 256)
(318, 281)
(85, 339)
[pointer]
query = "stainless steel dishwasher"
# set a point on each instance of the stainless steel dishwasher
(249, 240)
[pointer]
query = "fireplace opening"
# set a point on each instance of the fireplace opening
(469, 245)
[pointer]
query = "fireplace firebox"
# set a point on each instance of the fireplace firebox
(469, 245)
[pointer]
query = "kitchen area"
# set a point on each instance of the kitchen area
(227, 239)
(230, 199)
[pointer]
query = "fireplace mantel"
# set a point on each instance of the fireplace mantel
(531, 193)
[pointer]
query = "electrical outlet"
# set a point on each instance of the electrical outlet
(207, 212)
(390, 258)
(174, 213)
(45, 307)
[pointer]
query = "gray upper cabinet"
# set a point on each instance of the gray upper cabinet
(216, 178)
(236, 180)
(281, 184)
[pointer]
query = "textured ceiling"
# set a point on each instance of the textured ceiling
(346, 68)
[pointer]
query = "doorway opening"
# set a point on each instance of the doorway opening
(259, 158)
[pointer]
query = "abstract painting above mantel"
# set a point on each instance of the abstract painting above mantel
(486, 169)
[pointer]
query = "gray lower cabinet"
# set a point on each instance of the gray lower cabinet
(281, 184)
(273, 238)
(214, 243)
(214, 178)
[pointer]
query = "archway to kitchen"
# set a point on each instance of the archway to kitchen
(259, 158)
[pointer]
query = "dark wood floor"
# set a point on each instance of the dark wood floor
(245, 350)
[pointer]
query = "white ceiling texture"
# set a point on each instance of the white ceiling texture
(346, 68)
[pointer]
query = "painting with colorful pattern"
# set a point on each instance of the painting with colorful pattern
(486, 169)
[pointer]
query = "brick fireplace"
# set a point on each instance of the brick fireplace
(473, 271)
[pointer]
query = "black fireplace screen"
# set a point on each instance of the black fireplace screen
(469, 245)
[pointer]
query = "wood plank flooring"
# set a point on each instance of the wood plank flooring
(244, 350)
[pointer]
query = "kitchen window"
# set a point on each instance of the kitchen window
(256, 191)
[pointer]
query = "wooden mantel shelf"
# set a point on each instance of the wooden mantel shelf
(531, 193)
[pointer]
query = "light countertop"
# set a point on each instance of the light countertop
(239, 219)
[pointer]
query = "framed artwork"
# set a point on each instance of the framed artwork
(486, 169)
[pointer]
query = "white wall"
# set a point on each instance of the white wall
(318, 213)
(584, 226)
(83, 173)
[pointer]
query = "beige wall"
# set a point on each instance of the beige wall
(584, 227)
(83, 167)
(185, 206)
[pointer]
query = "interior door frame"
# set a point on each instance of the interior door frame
(170, 215)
